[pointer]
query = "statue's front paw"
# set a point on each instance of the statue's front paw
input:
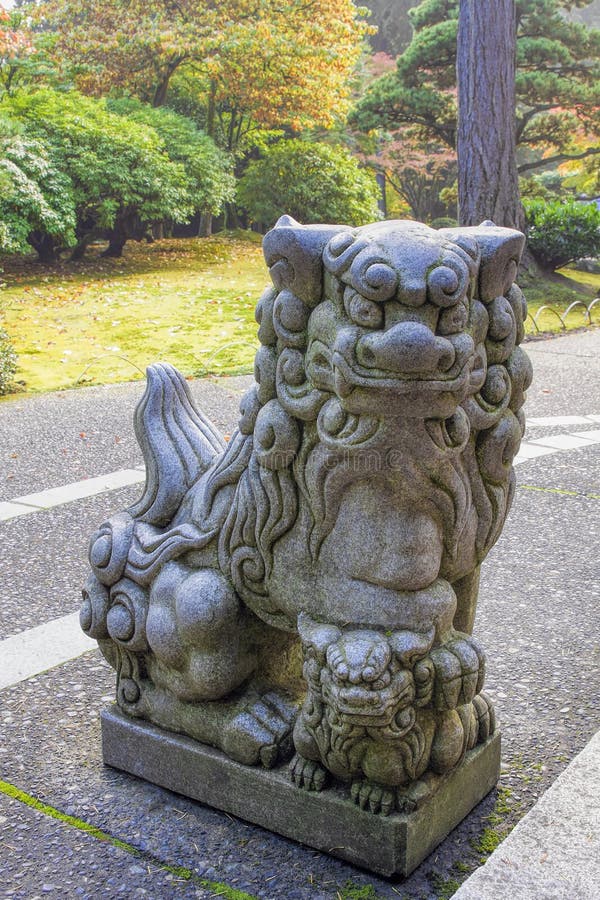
(307, 774)
(459, 672)
(262, 732)
(414, 794)
(373, 797)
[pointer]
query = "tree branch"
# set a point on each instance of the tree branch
(560, 157)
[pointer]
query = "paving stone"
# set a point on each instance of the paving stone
(554, 852)
(38, 649)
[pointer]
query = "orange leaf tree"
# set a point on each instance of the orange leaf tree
(252, 63)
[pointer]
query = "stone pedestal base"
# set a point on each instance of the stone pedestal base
(328, 821)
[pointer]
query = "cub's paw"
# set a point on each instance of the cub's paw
(459, 669)
(262, 732)
(485, 716)
(372, 797)
(307, 774)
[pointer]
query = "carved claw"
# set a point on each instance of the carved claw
(459, 668)
(262, 732)
(307, 774)
(412, 796)
(372, 797)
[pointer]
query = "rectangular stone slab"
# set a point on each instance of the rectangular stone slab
(328, 821)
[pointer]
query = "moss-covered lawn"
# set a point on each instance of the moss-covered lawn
(189, 302)
(571, 286)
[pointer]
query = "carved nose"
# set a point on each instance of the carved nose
(407, 348)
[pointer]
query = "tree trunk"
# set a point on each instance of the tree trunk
(45, 248)
(488, 184)
(81, 246)
(233, 219)
(205, 228)
(382, 199)
(117, 238)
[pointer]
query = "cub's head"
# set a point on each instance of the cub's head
(366, 678)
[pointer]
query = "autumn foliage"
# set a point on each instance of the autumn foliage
(278, 64)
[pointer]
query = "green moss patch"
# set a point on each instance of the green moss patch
(188, 302)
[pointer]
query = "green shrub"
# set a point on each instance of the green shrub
(208, 170)
(8, 363)
(444, 222)
(311, 182)
(560, 232)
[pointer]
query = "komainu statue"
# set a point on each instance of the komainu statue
(302, 598)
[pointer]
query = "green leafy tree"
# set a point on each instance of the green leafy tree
(557, 81)
(208, 170)
(255, 60)
(311, 182)
(560, 232)
(37, 207)
(121, 177)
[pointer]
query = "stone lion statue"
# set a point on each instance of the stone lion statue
(308, 589)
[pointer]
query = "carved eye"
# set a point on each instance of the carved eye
(363, 312)
(453, 320)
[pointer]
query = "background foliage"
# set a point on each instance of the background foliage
(311, 182)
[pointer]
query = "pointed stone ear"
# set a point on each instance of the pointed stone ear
(294, 253)
(500, 252)
(316, 635)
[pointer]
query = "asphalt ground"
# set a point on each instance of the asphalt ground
(538, 619)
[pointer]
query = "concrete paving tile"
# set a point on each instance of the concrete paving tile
(12, 510)
(594, 434)
(564, 441)
(554, 852)
(78, 490)
(39, 649)
(557, 421)
(531, 451)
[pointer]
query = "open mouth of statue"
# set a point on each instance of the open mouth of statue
(348, 377)
(361, 703)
